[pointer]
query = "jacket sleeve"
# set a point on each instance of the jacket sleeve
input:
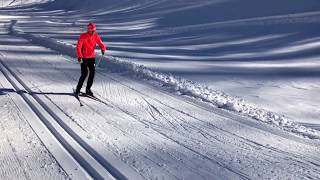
(79, 47)
(100, 43)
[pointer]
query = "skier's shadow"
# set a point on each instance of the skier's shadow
(4, 91)
(51, 93)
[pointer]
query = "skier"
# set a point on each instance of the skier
(86, 56)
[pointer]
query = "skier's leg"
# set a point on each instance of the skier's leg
(91, 74)
(84, 73)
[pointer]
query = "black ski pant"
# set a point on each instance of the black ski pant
(88, 64)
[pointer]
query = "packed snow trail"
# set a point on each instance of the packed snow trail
(76, 155)
(78, 162)
(22, 154)
(268, 48)
(158, 134)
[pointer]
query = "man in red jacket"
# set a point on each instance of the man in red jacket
(86, 56)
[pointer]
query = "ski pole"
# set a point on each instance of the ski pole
(100, 60)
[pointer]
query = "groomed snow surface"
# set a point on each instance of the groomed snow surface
(149, 121)
(22, 155)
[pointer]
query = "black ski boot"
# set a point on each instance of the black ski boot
(89, 92)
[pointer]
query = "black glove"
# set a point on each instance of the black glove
(102, 51)
(80, 60)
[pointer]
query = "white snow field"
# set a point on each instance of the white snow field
(264, 52)
(22, 155)
(150, 121)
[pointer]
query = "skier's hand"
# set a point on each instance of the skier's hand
(102, 51)
(80, 60)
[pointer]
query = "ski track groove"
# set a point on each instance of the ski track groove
(113, 125)
(136, 142)
(158, 111)
(74, 153)
(183, 145)
(152, 109)
(181, 111)
(130, 137)
(109, 106)
(22, 116)
(35, 133)
(67, 115)
(7, 137)
(245, 140)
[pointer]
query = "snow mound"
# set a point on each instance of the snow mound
(181, 86)
(217, 98)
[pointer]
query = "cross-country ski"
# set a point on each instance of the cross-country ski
(76, 95)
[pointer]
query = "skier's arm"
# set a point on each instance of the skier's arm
(101, 45)
(79, 47)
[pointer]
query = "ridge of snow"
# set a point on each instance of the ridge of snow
(181, 86)
(218, 99)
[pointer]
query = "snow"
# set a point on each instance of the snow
(20, 3)
(195, 90)
(185, 39)
(228, 94)
(22, 155)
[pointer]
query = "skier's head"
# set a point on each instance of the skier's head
(92, 28)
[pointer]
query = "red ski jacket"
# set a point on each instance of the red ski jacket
(87, 43)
